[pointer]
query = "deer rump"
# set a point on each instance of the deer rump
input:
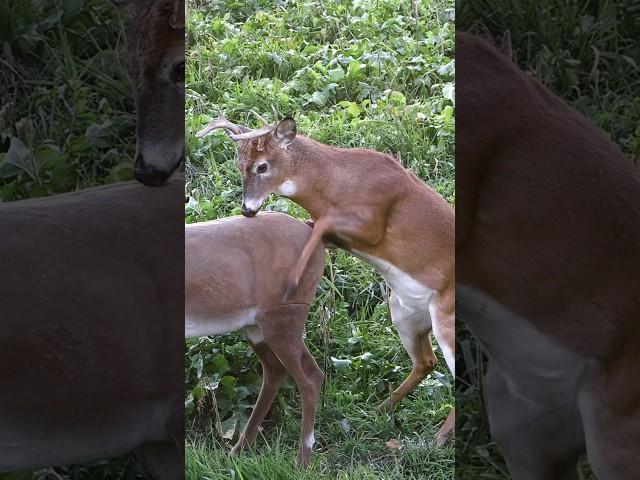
(249, 257)
(92, 362)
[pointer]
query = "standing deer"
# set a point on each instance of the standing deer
(367, 203)
(235, 274)
(548, 272)
(155, 61)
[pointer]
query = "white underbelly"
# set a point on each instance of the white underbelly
(213, 324)
(535, 366)
(408, 291)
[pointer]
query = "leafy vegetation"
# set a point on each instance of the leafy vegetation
(364, 73)
(588, 54)
(66, 109)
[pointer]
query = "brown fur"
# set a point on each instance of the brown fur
(91, 366)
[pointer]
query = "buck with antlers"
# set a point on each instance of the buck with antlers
(235, 273)
(548, 271)
(367, 203)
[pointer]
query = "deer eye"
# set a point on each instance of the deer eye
(262, 168)
(177, 74)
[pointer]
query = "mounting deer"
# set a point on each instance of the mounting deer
(235, 273)
(548, 271)
(369, 204)
(155, 61)
(92, 366)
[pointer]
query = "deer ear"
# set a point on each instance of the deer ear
(285, 132)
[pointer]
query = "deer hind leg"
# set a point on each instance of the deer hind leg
(442, 311)
(539, 441)
(413, 325)
(283, 330)
(273, 373)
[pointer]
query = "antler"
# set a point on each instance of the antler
(236, 132)
(220, 122)
(259, 117)
(253, 133)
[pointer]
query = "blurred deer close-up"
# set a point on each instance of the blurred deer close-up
(154, 55)
(548, 280)
(92, 309)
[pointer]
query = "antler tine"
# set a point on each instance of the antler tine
(267, 129)
(220, 122)
(259, 117)
(275, 114)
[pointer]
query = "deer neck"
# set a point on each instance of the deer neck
(317, 175)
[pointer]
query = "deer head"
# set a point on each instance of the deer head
(264, 158)
(155, 62)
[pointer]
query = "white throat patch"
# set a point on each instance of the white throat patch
(288, 188)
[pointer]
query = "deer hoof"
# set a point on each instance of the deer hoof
(303, 460)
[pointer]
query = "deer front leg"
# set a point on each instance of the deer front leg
(345, 229)
(273, 373)
(283, 330)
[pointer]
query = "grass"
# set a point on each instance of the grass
(587, 53)
(363, 73)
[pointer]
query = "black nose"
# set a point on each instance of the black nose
(148, 174)
(248, 213)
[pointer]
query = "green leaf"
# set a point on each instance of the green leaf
(319, 98)
(397, 98)
(354, 71)
(336, 74)
(16, 160)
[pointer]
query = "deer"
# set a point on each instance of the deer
(154, 54)
(235, 274)
(90, 322)
(367, 203)
(548, 271)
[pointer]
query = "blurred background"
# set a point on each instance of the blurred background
(587, 53)
(66, 122)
